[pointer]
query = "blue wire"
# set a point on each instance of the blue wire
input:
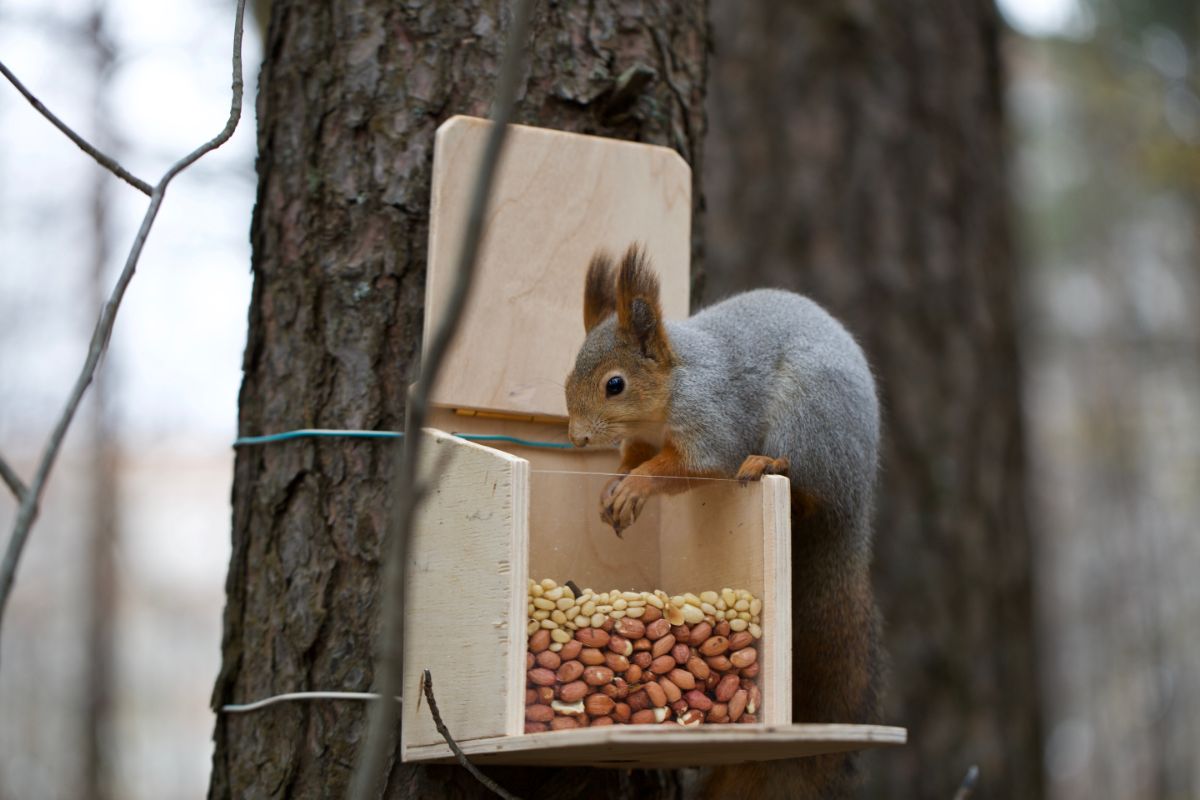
(350, 434)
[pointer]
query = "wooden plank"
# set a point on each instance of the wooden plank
(624, 746)
(567, 540)
(558, 196)
(720, 533)
(775, 649)
(467, 554)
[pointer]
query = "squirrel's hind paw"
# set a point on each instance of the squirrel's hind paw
(754, 467)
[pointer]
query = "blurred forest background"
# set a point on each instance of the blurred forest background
(113, 639)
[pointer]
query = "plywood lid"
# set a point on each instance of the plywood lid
(557, 198)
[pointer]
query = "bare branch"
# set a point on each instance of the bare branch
(967, 788)
(28, 511)
(370, 774)
(459, 755)
(13, 480)
(107, 162)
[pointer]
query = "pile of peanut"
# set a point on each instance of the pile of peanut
(605, 658)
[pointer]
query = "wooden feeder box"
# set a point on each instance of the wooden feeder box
(501, 515)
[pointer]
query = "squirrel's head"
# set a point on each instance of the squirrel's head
(622, 375)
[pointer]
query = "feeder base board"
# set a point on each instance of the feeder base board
(623, 746)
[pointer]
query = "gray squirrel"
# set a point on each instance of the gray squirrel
(765, 382)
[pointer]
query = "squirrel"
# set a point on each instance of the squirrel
(764, 382)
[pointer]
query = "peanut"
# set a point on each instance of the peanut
(663, 646)
(658, 629)
(682, 678)
(591, 657)
(539, 641)
(541, 676)
(599, 705)
(621, 657)
(597, 676)
(697, 667)
(744, 657)
(630, 628)
(662, 665)
(725, 689)
(538, 713)
(737, 704)
(592, 637)
(568, 709)
(621, 645)
(616, 663)
(699, 634)
(573, 691)
(739, 640)
(569, 671)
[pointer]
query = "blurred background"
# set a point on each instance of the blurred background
(113, 636)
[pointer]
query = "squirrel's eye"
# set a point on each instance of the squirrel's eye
(615, 385)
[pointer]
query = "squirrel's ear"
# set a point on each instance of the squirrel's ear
(599, 293)
(639, 313)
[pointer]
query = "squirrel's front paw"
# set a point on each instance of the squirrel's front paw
(622, 503)
(754, 467)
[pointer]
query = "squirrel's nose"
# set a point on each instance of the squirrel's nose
(579, 440)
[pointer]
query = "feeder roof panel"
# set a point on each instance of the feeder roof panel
(558, 197)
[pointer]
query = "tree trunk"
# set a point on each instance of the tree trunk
(856, 154)
(349, 99)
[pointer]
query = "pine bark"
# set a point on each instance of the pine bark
(856, 154)
(350, 97)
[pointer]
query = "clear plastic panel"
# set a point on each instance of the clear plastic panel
(708, 536)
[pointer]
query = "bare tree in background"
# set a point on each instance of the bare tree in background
(101, 525)
(856, 154)
(349, 102)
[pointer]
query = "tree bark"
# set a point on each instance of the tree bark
(350, 97)
(856, 154)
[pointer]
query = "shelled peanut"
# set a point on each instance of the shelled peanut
(604, 658)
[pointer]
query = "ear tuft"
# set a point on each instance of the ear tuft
(599, 291)
(639, 313)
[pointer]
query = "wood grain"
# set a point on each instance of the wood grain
(465, 593)
(670, 746)
(557, 198)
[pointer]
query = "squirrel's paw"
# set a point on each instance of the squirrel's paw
(754, 467)
(606, 499)
(621, 504)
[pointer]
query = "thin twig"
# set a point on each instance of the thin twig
(107, 162)
(459, 755)
(370, 774)
(969, 782)
(12, 479)
(28, 511)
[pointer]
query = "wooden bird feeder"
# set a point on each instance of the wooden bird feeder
(501, 515)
